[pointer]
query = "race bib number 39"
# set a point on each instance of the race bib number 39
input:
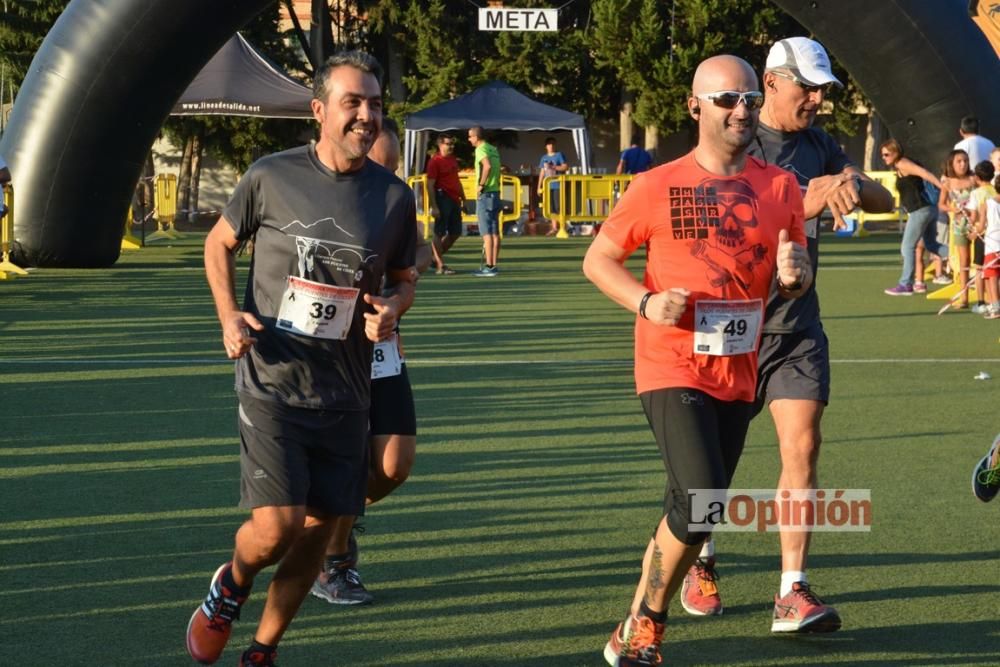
(726, 328)
(313, 309)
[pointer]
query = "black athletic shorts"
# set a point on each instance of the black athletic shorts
(392, 410)
(700, 439)
(449, 220)
(298, 456)
(793, 365)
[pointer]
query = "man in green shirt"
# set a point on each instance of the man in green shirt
(487, 199)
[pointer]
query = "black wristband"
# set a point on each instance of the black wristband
(642, 305)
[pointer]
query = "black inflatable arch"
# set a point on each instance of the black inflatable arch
(109, 72)
(97, 94)
(923, 63)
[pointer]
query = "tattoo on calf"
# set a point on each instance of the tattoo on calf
(656, 581)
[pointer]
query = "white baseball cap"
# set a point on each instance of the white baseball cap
(804, 58)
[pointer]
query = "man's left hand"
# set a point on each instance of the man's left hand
(846, 196)
(380, 324)
(794, 267)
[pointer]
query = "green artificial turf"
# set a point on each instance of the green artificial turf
(518, 538)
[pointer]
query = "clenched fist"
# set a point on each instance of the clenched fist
(667, 307)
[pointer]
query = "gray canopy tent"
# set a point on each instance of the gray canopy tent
(239, 81)
(494, 106)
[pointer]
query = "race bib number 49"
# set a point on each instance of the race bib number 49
(313, 309)
(726, 328)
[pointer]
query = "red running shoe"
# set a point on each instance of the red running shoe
(635, 643)
(802, 611)
(699, 593)
(212, 622)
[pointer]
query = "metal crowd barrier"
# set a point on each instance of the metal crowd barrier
(887, 179)
(166, 208)
(510, 196)
(581, 198)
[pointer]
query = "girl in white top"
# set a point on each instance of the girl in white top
(990, 212)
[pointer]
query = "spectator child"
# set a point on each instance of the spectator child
(983, 176)
(957, 184)
(990, 211)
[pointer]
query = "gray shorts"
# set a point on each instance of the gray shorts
(794, 365)
(296, 456)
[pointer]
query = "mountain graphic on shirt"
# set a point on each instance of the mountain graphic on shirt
(322, 222)
(347, 255)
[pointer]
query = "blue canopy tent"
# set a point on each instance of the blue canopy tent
(494, 106)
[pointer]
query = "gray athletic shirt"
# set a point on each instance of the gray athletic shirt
(342, 229)
(807, 154)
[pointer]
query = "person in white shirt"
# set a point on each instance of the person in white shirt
(978, 147)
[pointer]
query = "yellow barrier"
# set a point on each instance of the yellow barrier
(7, 236)
(510, 190)
(948, 291)
(582, 198)
(166, 208)
(887, 179)
(129, 240)
(419, 186)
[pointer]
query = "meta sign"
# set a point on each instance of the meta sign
(533, 20)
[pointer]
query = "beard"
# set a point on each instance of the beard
(738, 138)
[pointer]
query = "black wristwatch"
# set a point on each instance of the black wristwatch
(859, 182)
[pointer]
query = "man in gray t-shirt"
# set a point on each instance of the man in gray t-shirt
(327, 225)
(793, 358)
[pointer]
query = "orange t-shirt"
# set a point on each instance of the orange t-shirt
(716, 236)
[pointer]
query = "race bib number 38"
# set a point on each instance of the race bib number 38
(313, 309)
(386, 361)
(726, 328)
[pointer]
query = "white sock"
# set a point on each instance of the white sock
(789, 578)
(707, 549)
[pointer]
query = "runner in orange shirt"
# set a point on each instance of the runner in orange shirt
(719, 228)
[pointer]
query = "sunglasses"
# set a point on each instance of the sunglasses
(808, 87)
(447, 143)
(729, 99)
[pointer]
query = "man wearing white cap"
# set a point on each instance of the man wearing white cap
(794, 360)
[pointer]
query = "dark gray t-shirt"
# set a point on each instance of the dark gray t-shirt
(339, 229)
(807, 154)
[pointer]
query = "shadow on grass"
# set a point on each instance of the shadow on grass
(942, 643)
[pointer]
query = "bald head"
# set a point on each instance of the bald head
(723, 73)
(385, 150)
(727, 123)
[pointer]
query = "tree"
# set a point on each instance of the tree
(23, 26)
(655, 46)
(448, 56)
